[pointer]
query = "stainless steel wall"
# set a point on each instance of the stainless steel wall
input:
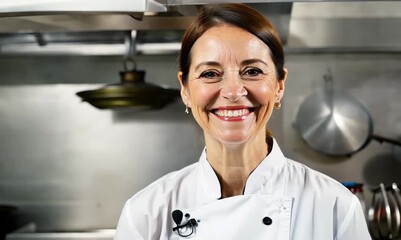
(69, 166)
(360, 24)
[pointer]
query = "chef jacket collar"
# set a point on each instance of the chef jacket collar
(261, 179)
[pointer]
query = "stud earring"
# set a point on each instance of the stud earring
(186, 109)
(277, 105)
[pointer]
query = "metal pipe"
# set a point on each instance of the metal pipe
(167, 48)
(85, 49)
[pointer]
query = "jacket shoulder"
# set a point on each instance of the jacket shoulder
(146, 214)
(307, 178)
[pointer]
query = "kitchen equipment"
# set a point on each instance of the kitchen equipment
(132, 91)
(334, 123)
(51, 7)
(29, 232)
(384, 215)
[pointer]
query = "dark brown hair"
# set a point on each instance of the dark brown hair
(238, 15)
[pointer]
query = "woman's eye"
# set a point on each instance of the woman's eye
(209, 74)
(252, 72)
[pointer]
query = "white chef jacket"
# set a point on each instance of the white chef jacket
(299, 203)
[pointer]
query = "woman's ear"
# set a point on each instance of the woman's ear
(184, 90)
(281, 85)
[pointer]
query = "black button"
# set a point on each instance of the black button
(267, 221)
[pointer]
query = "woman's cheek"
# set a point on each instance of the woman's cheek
(263, 94)
(203, 96)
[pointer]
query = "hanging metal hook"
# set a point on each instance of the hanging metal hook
(128, 61)
(129, 41)
(329, 88)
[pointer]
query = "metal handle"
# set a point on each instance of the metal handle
(126, 62)
(129, 41)
(397, 195)
(397, 208)
(382, 139)
(373, 221)
(387, 209)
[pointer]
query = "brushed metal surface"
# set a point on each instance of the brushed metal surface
(96, 235)
(70, 167)
(29, 232)
(23, 7)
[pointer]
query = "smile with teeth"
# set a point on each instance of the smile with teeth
(232, 114)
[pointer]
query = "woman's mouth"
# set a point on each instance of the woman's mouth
(232, 113)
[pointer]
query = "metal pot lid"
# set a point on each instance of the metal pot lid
(334, 123)
(131, 92)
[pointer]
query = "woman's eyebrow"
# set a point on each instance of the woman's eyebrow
(207, 63)
(216, 64)
(254, 60)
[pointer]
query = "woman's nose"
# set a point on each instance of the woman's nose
(233, 89)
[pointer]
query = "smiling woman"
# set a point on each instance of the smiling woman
(232, 78)
(225, 81)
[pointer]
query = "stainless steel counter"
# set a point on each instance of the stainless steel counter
(61, 236)
(28, 232)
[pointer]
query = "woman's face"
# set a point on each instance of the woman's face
(232, 84)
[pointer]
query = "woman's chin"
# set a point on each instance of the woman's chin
(234, 139)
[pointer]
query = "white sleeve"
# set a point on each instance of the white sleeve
(126, 230)
(354, 224)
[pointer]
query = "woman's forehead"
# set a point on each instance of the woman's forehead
(228, 43)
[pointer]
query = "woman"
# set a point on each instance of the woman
(232, 76)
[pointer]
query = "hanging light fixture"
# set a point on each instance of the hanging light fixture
(132, 91)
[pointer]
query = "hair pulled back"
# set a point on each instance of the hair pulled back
(238, 15)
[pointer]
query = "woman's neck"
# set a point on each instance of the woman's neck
(234, 163)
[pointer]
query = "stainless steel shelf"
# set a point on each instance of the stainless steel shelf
(28, 232)
(98, 235)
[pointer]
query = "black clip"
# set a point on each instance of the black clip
(183, 229)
